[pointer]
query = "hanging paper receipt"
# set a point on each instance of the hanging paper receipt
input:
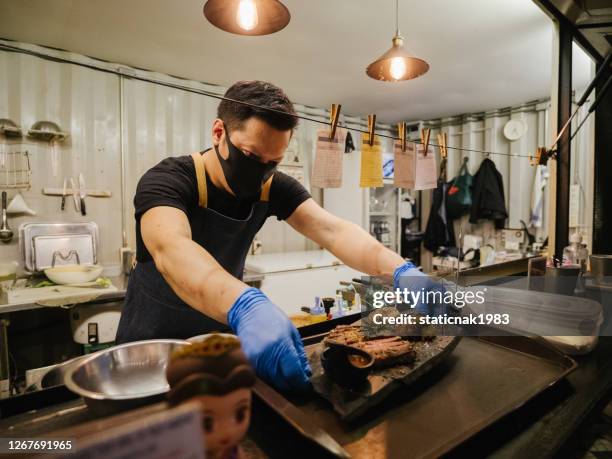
(327, 169)
(371, 163)
(426, 169)
(405, 165)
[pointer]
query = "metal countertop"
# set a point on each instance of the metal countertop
(105, 297)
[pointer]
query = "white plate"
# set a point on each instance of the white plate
(73, 274)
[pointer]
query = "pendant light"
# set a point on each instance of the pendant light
(396, 65)
(247, 17)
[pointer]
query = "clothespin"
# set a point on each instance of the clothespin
(442, 145)
(401, 130)
(371, 128)
(425, 140)
(334, 116)
(541, 157)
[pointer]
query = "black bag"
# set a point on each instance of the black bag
(459, 194)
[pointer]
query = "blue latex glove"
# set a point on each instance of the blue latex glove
(270, 341)
(409, 277)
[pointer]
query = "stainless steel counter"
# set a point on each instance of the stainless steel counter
(120, 282)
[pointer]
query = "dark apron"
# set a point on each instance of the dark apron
(152, 309)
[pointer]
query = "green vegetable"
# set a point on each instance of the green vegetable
(45, 283)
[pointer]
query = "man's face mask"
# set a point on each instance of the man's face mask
(244, 174)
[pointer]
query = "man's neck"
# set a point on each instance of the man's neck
(215, 172)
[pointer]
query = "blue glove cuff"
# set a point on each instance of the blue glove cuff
(401, 270)
(245, 301)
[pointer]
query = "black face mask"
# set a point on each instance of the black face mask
(244, 175)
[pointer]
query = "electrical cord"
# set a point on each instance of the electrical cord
(202, 92)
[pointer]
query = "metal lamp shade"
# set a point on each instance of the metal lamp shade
(380, 69)
(272, 16)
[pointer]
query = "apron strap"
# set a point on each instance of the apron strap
(265, 190)
(200, 170)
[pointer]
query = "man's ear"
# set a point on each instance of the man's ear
(217, 131)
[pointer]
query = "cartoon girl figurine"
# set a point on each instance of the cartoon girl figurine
(216, 373)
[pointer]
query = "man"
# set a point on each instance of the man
(196, 217)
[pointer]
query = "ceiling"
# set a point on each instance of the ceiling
(593, 18)
(484, 54)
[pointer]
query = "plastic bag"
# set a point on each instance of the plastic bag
(459, 194)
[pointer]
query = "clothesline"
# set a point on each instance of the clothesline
(203, 92)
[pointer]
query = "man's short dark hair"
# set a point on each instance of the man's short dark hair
(262, 94)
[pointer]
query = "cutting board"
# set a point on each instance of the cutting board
(57, 295)
(352, 403)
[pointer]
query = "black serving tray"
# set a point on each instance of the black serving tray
(480, 382)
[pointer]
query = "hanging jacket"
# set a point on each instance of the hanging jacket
(488, 201)
(439, 231)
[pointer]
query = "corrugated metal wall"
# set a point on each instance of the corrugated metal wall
(158, 121)
(84, 103)
(484, 131)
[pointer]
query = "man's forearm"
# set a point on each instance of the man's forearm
(359, 250)
(197, 278)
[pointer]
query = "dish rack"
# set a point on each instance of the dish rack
(15, 170)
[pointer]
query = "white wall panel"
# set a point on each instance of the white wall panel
(85, 104)
(160, 122)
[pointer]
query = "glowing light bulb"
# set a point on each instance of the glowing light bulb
(246, 16)
(397, 68)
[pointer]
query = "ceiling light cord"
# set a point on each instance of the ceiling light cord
(397, 32)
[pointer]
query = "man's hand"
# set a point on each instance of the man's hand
(270, 341)
(408, 277)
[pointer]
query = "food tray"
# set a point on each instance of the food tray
(480, 382)
(351, 403)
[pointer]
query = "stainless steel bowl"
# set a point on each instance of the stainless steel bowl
(56, 374)
(601, 267)
(124, 376)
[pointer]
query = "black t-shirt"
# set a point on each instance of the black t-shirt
(173, 183)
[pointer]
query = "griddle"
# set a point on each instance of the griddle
(480, 382)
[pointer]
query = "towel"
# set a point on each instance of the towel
(537, 197)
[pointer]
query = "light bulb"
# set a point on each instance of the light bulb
(246, 16)
(397, 68)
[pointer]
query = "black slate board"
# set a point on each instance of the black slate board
(352, 403)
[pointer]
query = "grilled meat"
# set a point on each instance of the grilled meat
(386, 350)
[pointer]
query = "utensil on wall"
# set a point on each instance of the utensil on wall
(82, 194)
(50, 132)
(2, 153)
(9, 129)
(50, 191)
(18, 205)
(75, 198)
(47, 131)
(6, 234)
(54, 157)
(16, 172)
(63, 206)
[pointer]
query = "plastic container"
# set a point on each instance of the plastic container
(534, 313)
(576, 253)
